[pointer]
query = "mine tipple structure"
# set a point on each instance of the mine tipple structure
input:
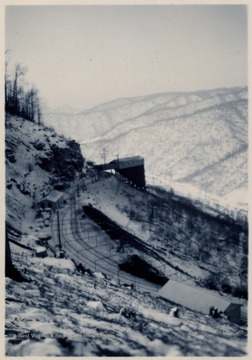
(130, 168)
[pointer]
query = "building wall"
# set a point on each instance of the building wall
(234, 313)
(44, 204)
(51, 204)
(134, 174)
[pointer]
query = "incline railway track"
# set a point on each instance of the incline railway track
(75, 241)
(115, 231)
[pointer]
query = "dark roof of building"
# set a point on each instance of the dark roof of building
(129, 158)
(233, 306)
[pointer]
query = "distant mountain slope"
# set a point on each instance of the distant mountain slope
(197, 139)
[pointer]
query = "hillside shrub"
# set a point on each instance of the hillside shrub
(39, 145)
(23, 188)
(45, 163)
(10, 155)
(211, 282)
(226, 287)
(240, 291)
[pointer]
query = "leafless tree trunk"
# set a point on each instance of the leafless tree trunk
(10, 270)
(19, 71)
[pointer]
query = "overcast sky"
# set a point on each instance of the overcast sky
(82, 56)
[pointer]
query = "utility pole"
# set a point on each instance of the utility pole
(60, 246)
(103, 155)
(118, 163)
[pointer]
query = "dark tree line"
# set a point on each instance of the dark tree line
(18, 100)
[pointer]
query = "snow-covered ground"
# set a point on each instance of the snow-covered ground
(118, 201)
(27, 182)
(62, 313)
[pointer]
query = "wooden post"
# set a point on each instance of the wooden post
(60, 246)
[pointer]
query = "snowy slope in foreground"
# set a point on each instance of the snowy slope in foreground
(61, 313)
(189, 140)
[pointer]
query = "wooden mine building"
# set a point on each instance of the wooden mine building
(131, 168)
(53, 200)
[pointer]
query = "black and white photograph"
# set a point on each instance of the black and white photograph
(126, 179)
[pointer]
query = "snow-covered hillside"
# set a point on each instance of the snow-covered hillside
(192, 246)
(63, 312)
(196, 143)
(36, 159)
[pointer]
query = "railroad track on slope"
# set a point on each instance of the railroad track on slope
(115, 231)
(76, 246)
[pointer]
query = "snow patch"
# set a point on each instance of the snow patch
(96, 305)
(57, 263)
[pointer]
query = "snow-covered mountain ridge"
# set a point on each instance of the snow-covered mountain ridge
(195, 143)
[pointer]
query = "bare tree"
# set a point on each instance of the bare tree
(10, 270)
(39, 114)
(19, 101)
(7, 83)
(18, 73)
